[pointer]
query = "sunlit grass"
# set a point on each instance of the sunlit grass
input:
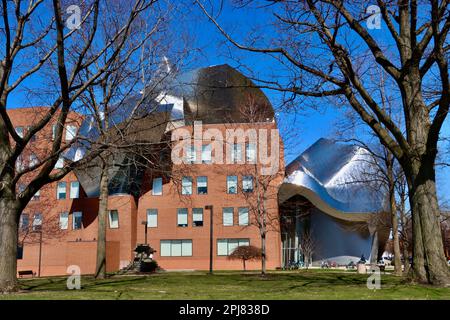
(310, 284)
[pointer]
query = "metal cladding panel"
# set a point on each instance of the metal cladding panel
(333, 172)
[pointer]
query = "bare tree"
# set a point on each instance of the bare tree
(327, 50)
(246, 253)
(58, 58)
(307, 246)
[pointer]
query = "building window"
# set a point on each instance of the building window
(250, 153)
(186, 185)
(157, 187)
(113, 219)
(19, 131)
(176, 248)
(227, 216)
(243, 216)
(202, 185)
(71, 132)
(232, 184)
(152, 218)
(60, 163)
(226, 246)
(197, 217)
(61, 190)
(36, 196)
(206, 153)
(37, 221)
(33, 137)
(182, 217)
(236, 153)
(77, 220)
(64, 221)
(247, 183)
(21, 188)
(19, 163)
(33, 160)
(74, 190)
(24, 222)
(191, 155)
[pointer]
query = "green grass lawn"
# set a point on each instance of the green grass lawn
(310, 284)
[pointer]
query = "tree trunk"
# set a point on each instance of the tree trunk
(243, 260)
(430, 264)
(263, 254)
(396, 240)
(8, 244)
(100, 272)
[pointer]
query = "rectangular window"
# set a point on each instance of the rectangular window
(61, 190)
(191, 155)
(21, 188)
(33, 160)
(250, 153)
(186, 186)
(226, 246)
(71, 132)
(64, 221)
(206, 153)
(232, 184)
(77, 220)
(247, 183)
(202, 185)
(60, 163)
(182, 217)
(37, 221)
(24, 221)
(157, 187)
(36, 196)
(53, 132)
(236, 153)
(19, 131)
(243, 216)
(197, 217)
(74, 190)
(19, 163)
(227, 215)
(113, 219)
(176, 248)
(152, 218)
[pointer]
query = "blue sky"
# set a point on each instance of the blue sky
(208, 47)
(309, 125)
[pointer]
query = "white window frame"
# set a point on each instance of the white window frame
(250, 153)
(182, 216)
(71, 132)
(232, 182)
(74, 191)
(236, 153)
(203, 183)
(74, 216)
(243, 216)
(20, 131)
(58, 197)
(37, 221)
(197, 216)
(33, 160)
(157, 187)
(206, 153)
(60, 163)
(152, 218)
(229, 244)
(246, 182)
(191, 153)
(169, 248)
(112, 223)
(186, 186)
(227, 212)
(64, 220)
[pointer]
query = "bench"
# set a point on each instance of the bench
(26, 273)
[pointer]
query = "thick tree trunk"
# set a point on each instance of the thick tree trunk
(8, 244)
(426, 214)
(100, 272)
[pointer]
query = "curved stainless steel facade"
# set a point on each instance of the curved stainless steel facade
(328, 175)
